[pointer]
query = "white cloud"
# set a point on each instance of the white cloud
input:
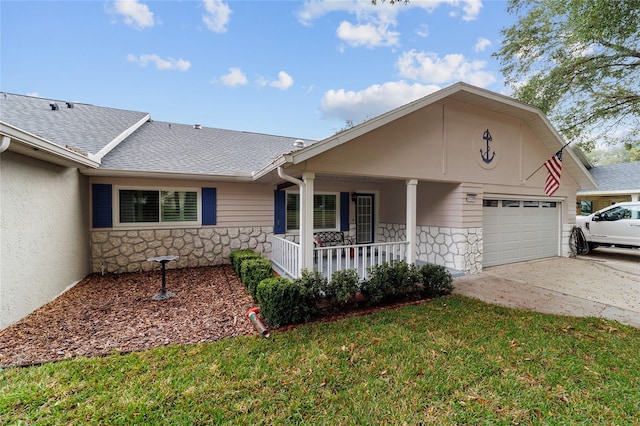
(312, 10)
(34, 94)
(428, 67)
(471, 9)
(366, 12)
(423, 30)
(135, 14)
(217, 15)
(367, 35)
(161, 64)
(372, 101)
(283, 82)
(234, 78)
(482, 44)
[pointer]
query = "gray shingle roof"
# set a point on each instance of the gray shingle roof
(617, 177)
(84, 127)
(178, 148)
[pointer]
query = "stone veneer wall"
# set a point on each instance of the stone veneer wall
(128, 251)
(565, 250)
(455, 248)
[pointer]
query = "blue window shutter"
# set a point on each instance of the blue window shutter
(279, 209)
(208, 206)
(102, 212)
(344, 211)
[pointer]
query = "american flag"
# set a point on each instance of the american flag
(554, 167)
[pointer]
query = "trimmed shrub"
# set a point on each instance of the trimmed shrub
(436, 280)
(281, 302)
(254, 270)
(390, 280)
(343, 284)
(312, 285)
(237, 256)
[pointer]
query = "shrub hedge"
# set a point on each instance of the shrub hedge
(436, 280)
(237, 256)
(343, 285)
(283, 301)
(254, 270)
(390, 280)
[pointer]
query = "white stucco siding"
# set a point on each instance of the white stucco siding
(44, 233)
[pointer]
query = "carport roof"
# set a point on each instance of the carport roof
(616, 178)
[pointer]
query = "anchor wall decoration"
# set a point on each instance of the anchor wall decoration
(487, 156)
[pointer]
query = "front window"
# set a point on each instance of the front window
(325, 211)
(157, 206)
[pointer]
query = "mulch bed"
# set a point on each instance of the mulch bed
(116, 313)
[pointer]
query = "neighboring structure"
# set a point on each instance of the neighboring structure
(616, 183)
(443, 180)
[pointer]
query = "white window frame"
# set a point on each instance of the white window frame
(338, 210)
(159, 224)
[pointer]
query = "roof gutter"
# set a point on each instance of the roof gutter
(164, 175)
(5, 143)
(291, 179)
(275, 164)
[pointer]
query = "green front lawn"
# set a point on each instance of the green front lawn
(452, 360)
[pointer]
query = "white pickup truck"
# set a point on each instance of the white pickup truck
(617, 225)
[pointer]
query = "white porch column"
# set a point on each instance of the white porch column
(306, 221)
(634, 197)
(412, 201)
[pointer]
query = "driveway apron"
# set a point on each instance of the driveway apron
(603, 285)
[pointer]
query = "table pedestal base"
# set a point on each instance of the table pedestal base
(162, 296)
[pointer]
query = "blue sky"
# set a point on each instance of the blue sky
(290, 68)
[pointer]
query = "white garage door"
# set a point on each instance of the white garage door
(517, 230)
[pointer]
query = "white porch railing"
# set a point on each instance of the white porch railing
(327, 260)
(286, 255)
(360, 257)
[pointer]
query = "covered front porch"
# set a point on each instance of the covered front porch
(293, 253)
(404, 220)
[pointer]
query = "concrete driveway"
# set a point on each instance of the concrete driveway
(606, 284)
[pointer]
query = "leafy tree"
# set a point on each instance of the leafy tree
(611, 155)
(579, 62)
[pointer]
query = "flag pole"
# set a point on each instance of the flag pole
(542, 165)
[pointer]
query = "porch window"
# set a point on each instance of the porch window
(325, 211)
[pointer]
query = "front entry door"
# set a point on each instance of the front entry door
(364, 218)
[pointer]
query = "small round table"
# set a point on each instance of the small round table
(163, 260)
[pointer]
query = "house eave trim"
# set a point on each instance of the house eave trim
(608, 193)
(165, 175)
(280, 161)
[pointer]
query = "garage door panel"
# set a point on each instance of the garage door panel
(515, 234)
